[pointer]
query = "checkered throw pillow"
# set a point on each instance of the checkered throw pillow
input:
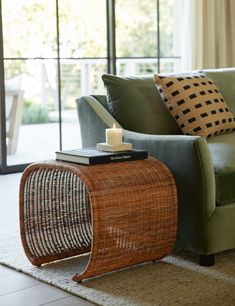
(196, 104)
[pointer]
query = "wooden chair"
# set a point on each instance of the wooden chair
(14, 107)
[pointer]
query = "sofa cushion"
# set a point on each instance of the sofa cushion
(196, 104)
(222, 148)
(136, 104)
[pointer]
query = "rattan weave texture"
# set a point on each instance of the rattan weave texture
(122, 213)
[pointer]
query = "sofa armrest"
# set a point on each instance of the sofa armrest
(93, 120)
(189, 159)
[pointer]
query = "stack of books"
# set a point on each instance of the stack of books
(91, 156)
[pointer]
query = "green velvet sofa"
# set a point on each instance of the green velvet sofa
(204, 169)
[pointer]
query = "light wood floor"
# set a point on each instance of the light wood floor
(18, 289)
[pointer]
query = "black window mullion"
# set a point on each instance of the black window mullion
(59, 72)
(158, 36)
(111, 36)
(3, 149)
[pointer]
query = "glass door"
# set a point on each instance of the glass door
(31, 80)
(52, 53)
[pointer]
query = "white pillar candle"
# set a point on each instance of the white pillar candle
(113, 136)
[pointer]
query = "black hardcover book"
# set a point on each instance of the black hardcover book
(91, 156)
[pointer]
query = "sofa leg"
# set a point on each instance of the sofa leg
(207, 260)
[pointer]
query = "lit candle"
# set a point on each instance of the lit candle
(113, 136)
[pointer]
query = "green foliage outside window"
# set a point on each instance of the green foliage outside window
(34, 113)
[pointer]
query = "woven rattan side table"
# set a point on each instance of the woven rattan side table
(122, 213)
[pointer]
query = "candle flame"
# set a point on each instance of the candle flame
(114, 126)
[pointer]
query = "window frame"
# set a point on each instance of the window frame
(111, 59)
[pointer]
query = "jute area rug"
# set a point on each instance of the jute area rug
(174, 280)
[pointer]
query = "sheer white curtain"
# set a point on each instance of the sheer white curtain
(213, 34)
(204, 34)
(183, 33)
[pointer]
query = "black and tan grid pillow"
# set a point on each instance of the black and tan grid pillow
(196, 104)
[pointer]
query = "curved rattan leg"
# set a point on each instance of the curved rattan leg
(134, 216)
(53, 201)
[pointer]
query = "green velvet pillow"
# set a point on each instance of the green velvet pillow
(136, 104)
